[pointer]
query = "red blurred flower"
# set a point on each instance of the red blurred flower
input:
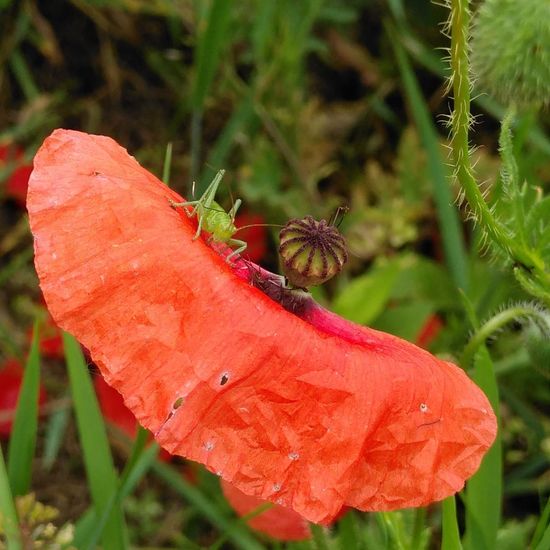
(283, 399)
(17, 182)
(11, 378)
(277, 522)
(51, 341)
(113, 408)
(115, 411)
(429, 331)
(255, 237)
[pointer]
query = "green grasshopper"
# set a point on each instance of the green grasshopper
(213, 218)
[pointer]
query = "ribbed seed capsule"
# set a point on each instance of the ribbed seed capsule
(312, 251)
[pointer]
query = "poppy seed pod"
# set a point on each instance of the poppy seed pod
(312, 252)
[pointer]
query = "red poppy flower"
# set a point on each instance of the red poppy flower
(291, 404)
(11, 378)
(17, 182)
(51, 341)
(113, 407)
(429, 331)
(277, 522)
(255, 237)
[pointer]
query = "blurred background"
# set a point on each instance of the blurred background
(308, 106)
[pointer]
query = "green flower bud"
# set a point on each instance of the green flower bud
(511, 51)
(311, 251)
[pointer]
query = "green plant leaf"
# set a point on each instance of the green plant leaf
(208, 507)
(364, 298)
(97, 457)
(453, 244)
(484, 490)
(23, 435)
(9, 524)
(450, 539)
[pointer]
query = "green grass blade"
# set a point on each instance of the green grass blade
(420, 531)
(240, 536)
(219, 544)
(208, 54)
(484, 490)
(319, 535)
(23, 436)
(9, 525)
(348, 536)
(23, 75)
(98, 461)
(453, 244)
(450, 539)
(544, 544)
(543, 527)
(209, 48)
(90, 526)
(239, 122)
(55, 431)
(167, 164)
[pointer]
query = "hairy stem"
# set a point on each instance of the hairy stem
(522, 256)
(496, 323)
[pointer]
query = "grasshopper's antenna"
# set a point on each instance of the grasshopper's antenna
(193, 188)
(258, 225)
(233, 210)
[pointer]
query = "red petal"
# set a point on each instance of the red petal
(277, 522)
(113, 407)
(284, 410)
(429, 331)
(11, 378)
(255, 237)
(17, 183)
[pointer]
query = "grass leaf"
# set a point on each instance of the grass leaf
(98, 461)
(237, 533)
(484, 489)
(9, 525)
(453, 245)
(23, 435)
(450, 539)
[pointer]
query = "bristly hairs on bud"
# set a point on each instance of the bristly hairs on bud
(502, 238)
(511, 51)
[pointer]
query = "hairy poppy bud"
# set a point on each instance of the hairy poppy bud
(510, 53)
(312, 252)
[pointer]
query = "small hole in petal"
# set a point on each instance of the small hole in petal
(209, 445)
(293, 456)
(224, 379)
(276, 487)
(177, 403)
(423, 408)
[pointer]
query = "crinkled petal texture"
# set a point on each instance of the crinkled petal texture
(223, 375)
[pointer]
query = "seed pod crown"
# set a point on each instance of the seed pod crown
(311, 251)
